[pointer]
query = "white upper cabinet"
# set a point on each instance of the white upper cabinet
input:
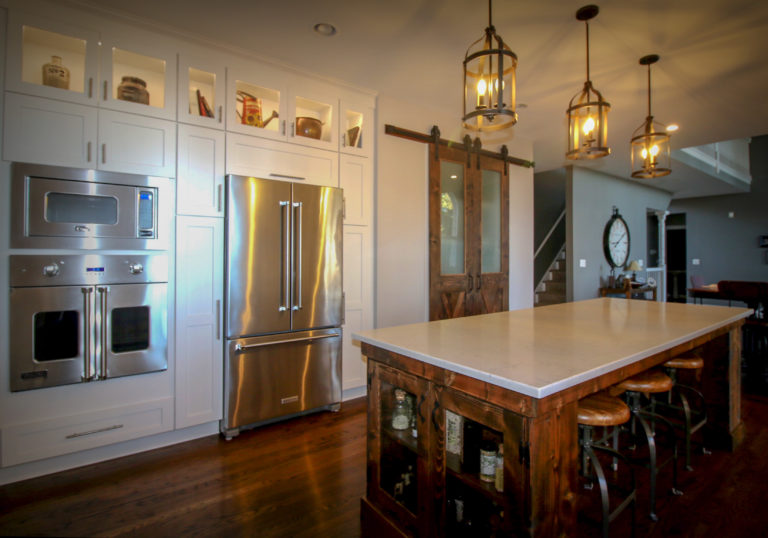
(51, 58)
(356, 126)
(136, 144)
(200, 181)
(138, 74)
(356, 178)
(271, 103)
(202, 88)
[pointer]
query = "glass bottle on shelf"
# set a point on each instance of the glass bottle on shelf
(401, 417)
(55, 74)
(488, 461)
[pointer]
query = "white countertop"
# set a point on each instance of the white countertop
(541, 351)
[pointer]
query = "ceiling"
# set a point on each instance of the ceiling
(712, 78)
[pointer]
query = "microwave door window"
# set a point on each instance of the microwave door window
(80, 208)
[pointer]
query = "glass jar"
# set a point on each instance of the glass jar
(55, 74)
(401, 417)
(133, 89)
(488, 461)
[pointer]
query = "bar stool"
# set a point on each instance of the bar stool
(697, 415)
(603, 410)
(650, 382)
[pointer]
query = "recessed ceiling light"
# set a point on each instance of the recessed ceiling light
(672, 127)
(325, 29)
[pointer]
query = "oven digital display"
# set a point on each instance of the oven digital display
(94, 269)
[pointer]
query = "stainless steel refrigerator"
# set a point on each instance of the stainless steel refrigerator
(284, 300)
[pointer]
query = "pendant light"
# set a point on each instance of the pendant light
(489, 82)
(650, 142)
(587, 111)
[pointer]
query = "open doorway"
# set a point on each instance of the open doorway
(676, 256)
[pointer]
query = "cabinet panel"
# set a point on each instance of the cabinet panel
(43, 131)
(200, 172)
(251, 156)
(199, 299)
(34, 40)
(356, 178)
(136, 144)
(358, 293)
(257, 100)
(356, 119)
(44, 439)
(353, 362)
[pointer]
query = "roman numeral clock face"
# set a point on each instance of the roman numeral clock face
(616, 240)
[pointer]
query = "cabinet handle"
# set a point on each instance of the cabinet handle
(221, 115)
(219, 197)
(418, 408)
(105, 90)
(434, 415)
(90, 87)
(88, 156)
(104, 153)
(469, 278)
(293, 128)
(91, 432)
(344, 208)
(479, 283)
(218, 319)
(343, 140)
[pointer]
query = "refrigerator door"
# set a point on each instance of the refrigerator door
(316, 296)
(258, 256)
(277, 375)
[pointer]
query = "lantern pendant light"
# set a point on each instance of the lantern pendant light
(587, 111)
(650, 142)
(489, 82)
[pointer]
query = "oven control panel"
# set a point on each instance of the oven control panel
(87, 269)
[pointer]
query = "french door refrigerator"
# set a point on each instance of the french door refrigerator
(284, 300)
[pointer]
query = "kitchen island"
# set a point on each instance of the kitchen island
(513, 379)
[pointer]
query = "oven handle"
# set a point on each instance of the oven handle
(87, 376)
(103, 291)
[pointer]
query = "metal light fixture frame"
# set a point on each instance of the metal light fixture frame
(489, 82)
(650, 147)
(588, 111)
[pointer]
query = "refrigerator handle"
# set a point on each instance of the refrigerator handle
(285, 291)
(297, 230)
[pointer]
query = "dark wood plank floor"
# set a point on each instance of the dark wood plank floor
(305, 478)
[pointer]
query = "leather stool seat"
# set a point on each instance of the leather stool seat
(685, 363)
(650, 381)
(602, 410)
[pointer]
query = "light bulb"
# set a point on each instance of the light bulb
(481, 86)
(654, 150)
(588, 126)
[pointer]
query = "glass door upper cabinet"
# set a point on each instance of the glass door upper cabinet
(139, 76)
(50, 59)
(314, 119)
(256, 101)
(201, 90)
(356, 127)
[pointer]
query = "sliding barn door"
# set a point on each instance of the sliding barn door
(468, 234)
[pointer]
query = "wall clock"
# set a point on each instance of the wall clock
(616, 240)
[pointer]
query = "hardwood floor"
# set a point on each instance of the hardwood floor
(305, 477)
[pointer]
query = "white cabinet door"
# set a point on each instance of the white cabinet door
(44, 131)
(200, 182)
(145, 65)
(270, 159)
(199, 295)
(356, 125)
(136, 144)
(34, 40)
(358, 292)
(202, 88)
(356, 178)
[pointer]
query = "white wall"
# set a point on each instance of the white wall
(402, 226)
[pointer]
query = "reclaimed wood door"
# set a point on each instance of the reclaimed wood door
(468, 233)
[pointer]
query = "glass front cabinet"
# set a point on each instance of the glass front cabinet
(441, 462)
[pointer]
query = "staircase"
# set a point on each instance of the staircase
(551, 289)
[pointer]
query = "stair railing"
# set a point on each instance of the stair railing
(549, 234)
(549, 249)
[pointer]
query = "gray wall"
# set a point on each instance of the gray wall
(728, 247)
(590, 196)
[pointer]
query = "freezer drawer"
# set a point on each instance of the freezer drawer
(269, 377)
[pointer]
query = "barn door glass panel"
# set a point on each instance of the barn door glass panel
(491, 222)
(451, 218)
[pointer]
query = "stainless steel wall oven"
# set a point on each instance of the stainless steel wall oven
(80, 318)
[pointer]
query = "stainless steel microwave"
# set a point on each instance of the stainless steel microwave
(56, 207)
